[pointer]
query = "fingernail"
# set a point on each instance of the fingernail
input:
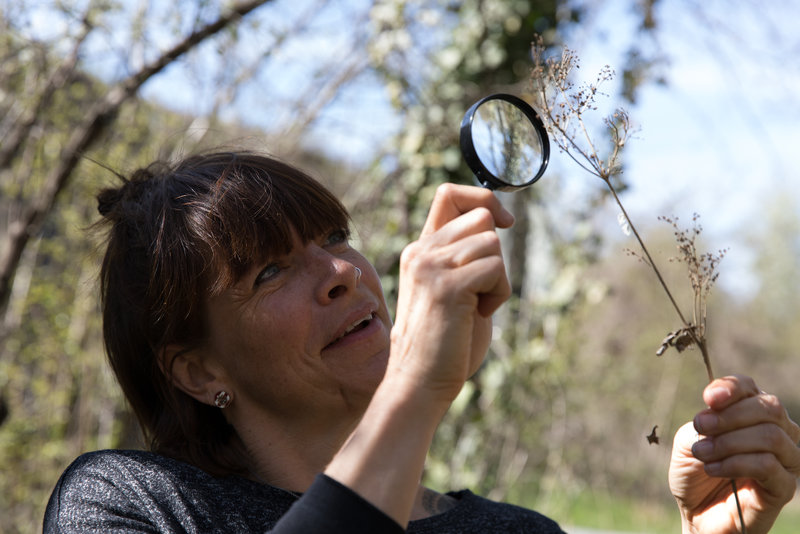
(705, 422)
(702, 448)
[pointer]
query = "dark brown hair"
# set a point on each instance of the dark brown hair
(178, 234)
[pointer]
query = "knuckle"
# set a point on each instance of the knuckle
(412, 256)
(483, 216)
(769, 465)
(744, 382)
(478, 219)
(503, 287)
(773, 407)
(760, 466)
(409, 252)
(793, 466)
(491, 239)
(773, 437)
(444, 190)
(760, 463)
(794, 432)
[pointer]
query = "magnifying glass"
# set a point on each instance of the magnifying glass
(504, 142)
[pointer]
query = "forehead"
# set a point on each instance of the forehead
(257, 213)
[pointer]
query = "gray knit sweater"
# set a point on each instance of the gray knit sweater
(138, 492)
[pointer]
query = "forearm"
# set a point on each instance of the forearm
(384, 457)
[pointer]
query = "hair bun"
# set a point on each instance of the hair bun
(110, 198)
(107, 199)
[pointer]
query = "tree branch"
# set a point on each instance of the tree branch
(98, 119)
(58, 79)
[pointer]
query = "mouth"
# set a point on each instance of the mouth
(356, 326)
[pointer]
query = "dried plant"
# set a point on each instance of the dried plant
(702, 272)
(564, 107)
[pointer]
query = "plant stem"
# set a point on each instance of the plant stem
(698, 340)
(704, 351)
(738, 506)
(653, 265)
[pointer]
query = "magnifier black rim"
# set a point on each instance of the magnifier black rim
(483, 175)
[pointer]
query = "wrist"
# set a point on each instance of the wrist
(406, 390)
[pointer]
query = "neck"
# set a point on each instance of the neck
(290, 456)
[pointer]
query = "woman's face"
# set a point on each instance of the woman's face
(300, 336)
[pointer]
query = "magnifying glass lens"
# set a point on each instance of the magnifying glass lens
(504, 142)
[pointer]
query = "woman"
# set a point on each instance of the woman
(255, 346)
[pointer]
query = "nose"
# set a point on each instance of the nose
(338, 276)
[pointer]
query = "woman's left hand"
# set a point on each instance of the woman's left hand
(746, 435)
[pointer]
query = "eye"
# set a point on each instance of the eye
(268, 273)
(337, 237)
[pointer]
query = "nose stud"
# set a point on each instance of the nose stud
(358, 275)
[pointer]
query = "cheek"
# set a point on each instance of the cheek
(249, 343)
(273, 334)
(370, 276)
(267, 363)
(277, 338)
(373, 282)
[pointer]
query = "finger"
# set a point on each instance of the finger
(794, 430)
(758, 439)
(723, 392)
(488, 280)
(474, 247)
(460, 241)
(684, 438)
(451, 201)
(473, 222)
(764, 468)
(470, 270)
(762, 408)
(489, 301)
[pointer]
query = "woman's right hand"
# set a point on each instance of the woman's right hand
(451, 281)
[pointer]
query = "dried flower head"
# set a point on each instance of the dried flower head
(564, 105)
(702, 267)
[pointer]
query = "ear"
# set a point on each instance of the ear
(190, 372)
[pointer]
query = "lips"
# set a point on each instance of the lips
(353, 326)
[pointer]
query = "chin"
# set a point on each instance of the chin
(368, 381)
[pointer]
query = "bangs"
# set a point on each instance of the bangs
(254, 206)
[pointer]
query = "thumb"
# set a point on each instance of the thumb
(685, 437)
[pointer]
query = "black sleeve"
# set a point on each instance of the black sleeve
(333, 508)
